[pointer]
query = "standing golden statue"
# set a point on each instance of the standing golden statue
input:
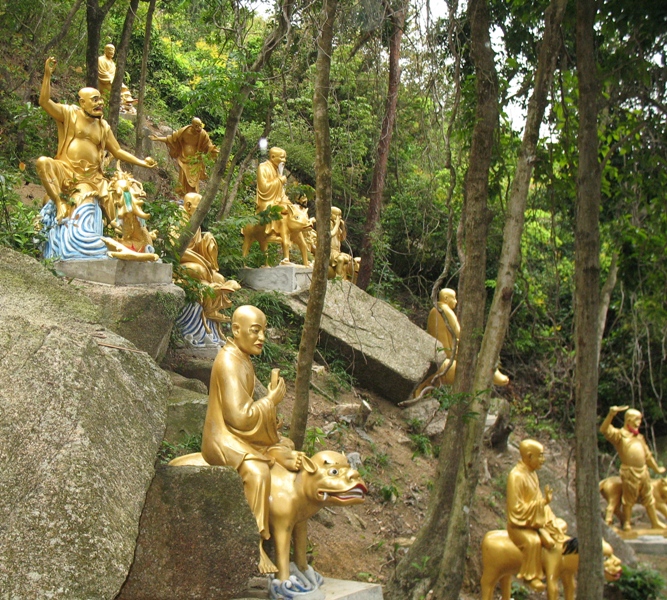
(127, 102)
(636, 459)
(188, 146)
(340, 263)
(106, 69)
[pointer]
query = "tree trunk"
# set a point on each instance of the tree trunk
(121, 59)
(397, 19)
(436, 559)
(323, 192)
(139, 123)
(586, 312)
(233, 119)
(95, 15)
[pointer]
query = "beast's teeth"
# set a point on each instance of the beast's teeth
(325, 496)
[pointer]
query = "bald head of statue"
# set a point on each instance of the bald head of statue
(448, 296)
(532, 454)
(248, 326)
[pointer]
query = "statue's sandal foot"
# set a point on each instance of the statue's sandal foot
(537, 585)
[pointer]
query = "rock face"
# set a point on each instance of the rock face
(198, 538)
(142, 314)
(80, 425)
(186, 414)
(390, 355)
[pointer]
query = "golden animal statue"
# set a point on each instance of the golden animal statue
(611, 489)
(295, 224)
(636, 459)
(189, 145)
(106, 69)
(200, 261)
(326, 479)
(501, 559)
(448, 331)
(76, 175)
(135, 241)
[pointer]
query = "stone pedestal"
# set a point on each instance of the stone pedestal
(115, 272)
(283, 278)
(339, 589)
(648, 544)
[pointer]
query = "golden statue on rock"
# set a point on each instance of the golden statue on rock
(294, 221)
(448, 331)
(189, 145)
(340, 263)
(283, 487)
(535, 545)
(636, 459)
(106, 69)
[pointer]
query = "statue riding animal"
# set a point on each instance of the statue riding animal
(501, 559)
(611, 489)
(293, 225)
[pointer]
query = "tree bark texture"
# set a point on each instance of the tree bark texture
(586, 312)
(397, 18)
(139, 124)
(323, 192)
(233, 118)
(95, 15)
(121, 60)
(436, 560)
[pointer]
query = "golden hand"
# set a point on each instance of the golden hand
(50, 65)
(548, 494)
(150, 162)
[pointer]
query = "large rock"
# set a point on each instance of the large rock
(80, 426)
(198, 538)
(186, 412)
(390, 355)
(143, 314)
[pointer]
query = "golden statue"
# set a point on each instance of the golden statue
(135, 242)
(76, 175)
(188, 146)
(271, 181)
(531, 524)
(106, 69)
(448, 334)
(200, 261)
(340, 263)
(636, 458)
(611, 489)
(127, 102)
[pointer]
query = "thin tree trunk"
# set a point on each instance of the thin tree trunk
(436, 559)
(121, 59)
(139, 123)
(95, 15)
(397, 18)
(587, 306)
(323, 192)
(233, 119)
(605, 299)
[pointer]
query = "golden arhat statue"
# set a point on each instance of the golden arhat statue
(106, 69)
(636, 459)
(127, 102)
(294, 221)
(74, 180)
(535, 545)
(283, 487)
(447, 331)
(340, 263)
(188, 146)
(200, 323)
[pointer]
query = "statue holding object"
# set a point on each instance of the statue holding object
(74, 180)
(636, 459)
(283, 487)
(340, 263)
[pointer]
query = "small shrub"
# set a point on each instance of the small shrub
(422, 445)
(642, 583)
(314, 440)
(188, 445)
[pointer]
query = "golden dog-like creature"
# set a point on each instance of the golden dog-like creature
(501, 559)
(325, 479)
(611, 489)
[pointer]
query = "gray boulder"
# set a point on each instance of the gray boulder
(197, 539)
(80, 426)
(389, 354)
(186, 411)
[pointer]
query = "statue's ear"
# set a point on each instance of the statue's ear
(308, 465)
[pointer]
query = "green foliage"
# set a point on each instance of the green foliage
(17, 221)
(187, 445)
(314, 440)
(520, 592)
(389, 493)
(642, 583)
(125, 133)
(422, 444)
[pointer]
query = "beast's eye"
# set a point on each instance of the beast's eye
(333, 471)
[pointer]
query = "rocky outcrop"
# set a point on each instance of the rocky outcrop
(198, 538)
(80, 425)
(186, 411)
(388, 353)
(143, 314)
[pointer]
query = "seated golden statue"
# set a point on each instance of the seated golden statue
(200, 261)
(106, 69)
(448, 331)
(340, 264)
(636, 459)
(531, 524)
(188, 146)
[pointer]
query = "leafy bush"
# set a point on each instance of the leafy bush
(642, 583)
(17, 221)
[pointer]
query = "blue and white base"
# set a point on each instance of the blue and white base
(190, 323)
(76, 237)
(300, 585)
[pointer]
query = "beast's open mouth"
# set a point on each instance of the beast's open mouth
(358, 492)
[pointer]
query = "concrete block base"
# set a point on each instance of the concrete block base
(339, 589)
(283, 278)
(649, 544)
(115, 272)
